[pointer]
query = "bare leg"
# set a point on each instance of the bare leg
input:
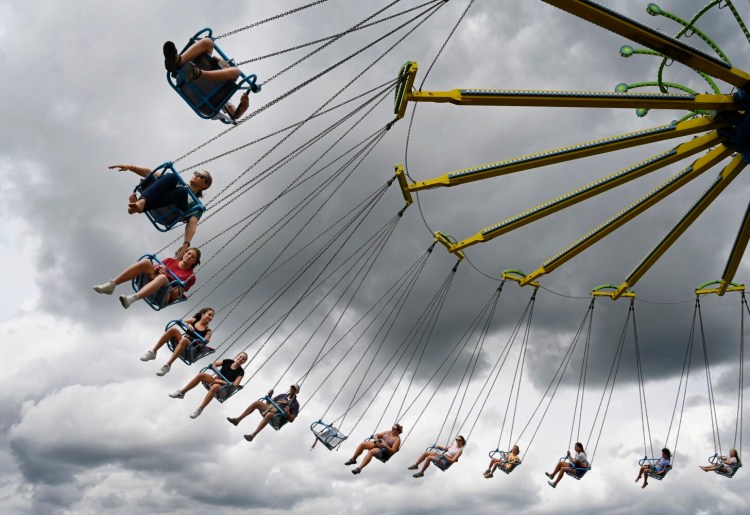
(172, 332)
(197, 379)
(422, 457)
(184, 341)
(205, 45)
(424, 467)
(210, 395)
(360, 448)
(133, 271)
(367, 458)
(263, 423)
(225, 74)
(257, 405)
(153, 286)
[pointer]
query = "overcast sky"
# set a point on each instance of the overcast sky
(88, 428)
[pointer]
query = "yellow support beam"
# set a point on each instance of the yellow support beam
(401, 178)
(618, 178)
(703, 289)
(448, 241)
(570, 153)
(516, 275)
(700, 166)
(655, 40)
(598, 99)
(406, 82)
(738, 250)
(725, 177)
(610, 290)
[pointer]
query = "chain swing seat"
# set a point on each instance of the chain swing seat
(280, 418)
(440, 461)
(655, 471)
(574, 471)
(731, 469)
(208, 98)
(164, 296)
(502, 456)
(227, 390)
(328, 435)
(167, 217)
(197, 348)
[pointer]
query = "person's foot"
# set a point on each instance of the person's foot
(644, 485)
(351, 461)
(356, 470)
(132, 199)
(487, 476)
(128, 300)
(412, 467)
(197, 413)
(192, 72)
(637, 479)
(171, 57)
(107, 288)
(177, 395)
(233, 421)
(249, 438)
(548, 475)
(163, 370)
(418, 474)
(136, 207)
(148, 356)
(550, 483)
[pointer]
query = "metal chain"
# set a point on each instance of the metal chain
(276, 17)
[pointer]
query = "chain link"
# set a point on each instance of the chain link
(261, 22)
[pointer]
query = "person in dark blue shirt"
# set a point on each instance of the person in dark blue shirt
(286, 401)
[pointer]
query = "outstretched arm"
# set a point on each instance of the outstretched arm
(138, 170)
(190, 227)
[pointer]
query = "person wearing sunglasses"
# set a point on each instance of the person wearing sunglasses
(165, 190)
(450, 454)
(382, 446)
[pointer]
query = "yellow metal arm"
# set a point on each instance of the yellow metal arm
(727, 175)
(516, 275)
(578, 151)
(703, 289)
(610, 290)
(623, 176)
(448, 242)
(738, 250)
(670, 47)
(675, 182)
(609, 99)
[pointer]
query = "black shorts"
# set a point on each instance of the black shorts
(383, 455)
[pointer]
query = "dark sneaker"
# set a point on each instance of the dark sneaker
(233, 421)
(413, 467)
(249, 438)
(356, 471)
(192, 72)
(351, 462)
(170, 57)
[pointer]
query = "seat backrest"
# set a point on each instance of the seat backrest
(205, 96)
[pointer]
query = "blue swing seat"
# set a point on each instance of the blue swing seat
(440, 461)
(280, 418)
(575, 472)
(208, 97)
(160, 299)
(165, 218)
(227, 390)
(197, 348)
(328, 435)
(497, 454)
(655, 471)
(732, 469)
(383, 456)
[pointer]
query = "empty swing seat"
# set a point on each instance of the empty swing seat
(731, 469)
(328, 435)
(197, 348)
(227, 390)
(165, 296)
(167, 217)
(208, 97)
(502, 457)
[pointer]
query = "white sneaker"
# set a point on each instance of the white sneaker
(148, 356)
(106, 288)
(197, 413)
(128, 300)
(177, 395)
(163, 371)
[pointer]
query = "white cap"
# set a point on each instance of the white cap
(296, 387)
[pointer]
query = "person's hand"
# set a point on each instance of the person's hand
(159, 269)
(181, 250)
(121, 168)
(270, 393)
(190, 326)
(568, 454)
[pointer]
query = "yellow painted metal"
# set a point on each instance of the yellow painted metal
(730, 287)
(406, 75)
(599, 291)
(700, 166)
(670, 47)
(517, 276)
(725, 177)
(578, 151)
(738, 250)
(403, 185)
(599, 99)
(618, 178)
(448, 241)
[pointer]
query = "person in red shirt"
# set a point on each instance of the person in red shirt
(182, 269)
